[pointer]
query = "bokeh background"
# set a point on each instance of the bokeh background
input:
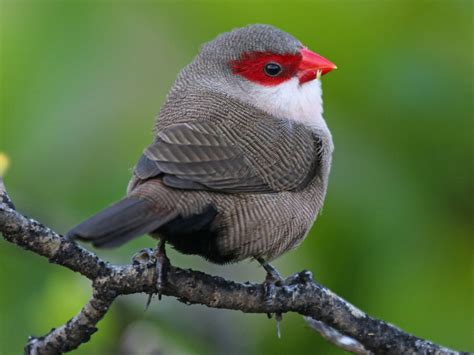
(81, 82)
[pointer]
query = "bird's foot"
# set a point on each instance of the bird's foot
(143, 257)
(161, 262)
(300, 278)
(272, 281)
(162, 266)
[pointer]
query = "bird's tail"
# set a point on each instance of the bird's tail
(117, 224)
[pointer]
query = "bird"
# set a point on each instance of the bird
(240, 159)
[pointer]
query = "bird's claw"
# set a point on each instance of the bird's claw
(143, 257)
(270, 285)
(306, 276)
(300, 278)
(278, 318)
(162, 265)
(272, 281)
(157, 257)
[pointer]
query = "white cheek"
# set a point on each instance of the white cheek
(291, 101)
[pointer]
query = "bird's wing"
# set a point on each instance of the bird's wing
(241, 149)
(194, 156)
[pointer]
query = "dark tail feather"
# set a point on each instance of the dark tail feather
(117, 224)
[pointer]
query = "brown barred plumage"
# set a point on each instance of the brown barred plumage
(223, 178)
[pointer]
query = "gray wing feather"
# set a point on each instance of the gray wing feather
(146, 168)
(211, 142)
(191, 156)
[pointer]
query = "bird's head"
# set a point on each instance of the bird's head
(263, 66)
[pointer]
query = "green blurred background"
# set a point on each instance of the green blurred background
(82, 81)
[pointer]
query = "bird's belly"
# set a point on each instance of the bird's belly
(233, 227)
(195, 234)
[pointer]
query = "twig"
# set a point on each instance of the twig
(76, 331)
(299, 293)
(332, 335)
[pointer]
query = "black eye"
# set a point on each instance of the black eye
(272, 69)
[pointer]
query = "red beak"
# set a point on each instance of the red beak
(312, 65)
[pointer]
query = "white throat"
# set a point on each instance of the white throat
(291, 101)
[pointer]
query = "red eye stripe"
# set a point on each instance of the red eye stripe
(251, 66)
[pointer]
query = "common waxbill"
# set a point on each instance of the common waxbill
(241, 154)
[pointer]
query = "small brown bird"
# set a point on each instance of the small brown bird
(240, 161)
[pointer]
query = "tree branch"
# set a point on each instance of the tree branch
(77, 330)
(336, 319)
